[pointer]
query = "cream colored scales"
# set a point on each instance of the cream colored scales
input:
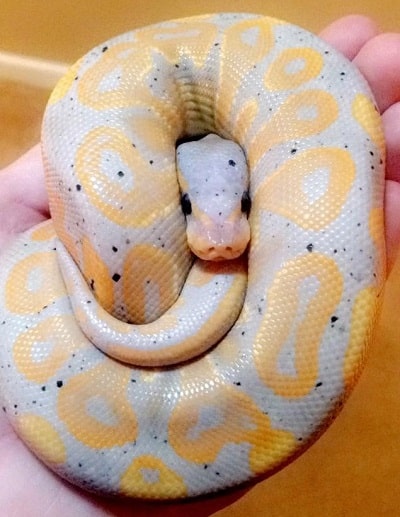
(192, 416)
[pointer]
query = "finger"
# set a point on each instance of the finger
(23, 197)
(22, 183)
(392, 221)
(379, 62)
(391, 127)
(349, 34)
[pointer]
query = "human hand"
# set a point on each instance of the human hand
(377, 56)
(23, 197)
(29, 488)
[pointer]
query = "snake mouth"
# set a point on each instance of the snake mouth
(217, 253)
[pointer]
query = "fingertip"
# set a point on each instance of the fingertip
(350, 33)
(379, 62)
(391, 127)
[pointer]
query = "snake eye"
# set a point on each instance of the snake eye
(246, 202)
(186, 204)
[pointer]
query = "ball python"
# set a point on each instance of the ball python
(128, 366)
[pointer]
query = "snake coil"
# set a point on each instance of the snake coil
(173, 428)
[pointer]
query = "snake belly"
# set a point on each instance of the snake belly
(312, 138)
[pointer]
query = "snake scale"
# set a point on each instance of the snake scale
(118, 367)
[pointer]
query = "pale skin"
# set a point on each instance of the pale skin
(25, 484)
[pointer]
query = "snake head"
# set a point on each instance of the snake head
(213, 178)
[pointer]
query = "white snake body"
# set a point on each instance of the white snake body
(91, 377)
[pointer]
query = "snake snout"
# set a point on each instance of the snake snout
(223, 242)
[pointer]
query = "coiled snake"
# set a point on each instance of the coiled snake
(125, 366)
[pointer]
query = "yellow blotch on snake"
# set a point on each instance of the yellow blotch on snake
(237, 420)
(281, 317)
(65, 83)
(146, 264)
(284, 191)
(98, 275)
(104, 386)
(367, 115)
(363, 317)
(232, 77)
(120, 59)
(148, 476)
(27, 287)
(126, 207)
(43, 232)
(42, 437)
(181, 41)
(376, 226)
(62, 337)
(301, 115)
(292, 68)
